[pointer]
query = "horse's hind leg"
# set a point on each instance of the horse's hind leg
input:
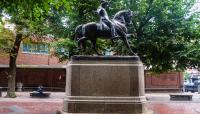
(81, 42)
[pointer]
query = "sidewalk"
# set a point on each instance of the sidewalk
(24, 104)
(25, 97)
(164, 97)
(159, 103)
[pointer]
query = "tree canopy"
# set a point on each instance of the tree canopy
(164, 32)
(6, 40)
(167, 33)
(29, 17)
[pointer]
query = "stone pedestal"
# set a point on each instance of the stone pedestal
(105, 84)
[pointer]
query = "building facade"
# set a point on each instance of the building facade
(36, 66)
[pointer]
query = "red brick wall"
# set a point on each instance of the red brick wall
(32, 59)
(172, 80)
(56, 78)
(34, 77)
(3, 77)
(4, 59)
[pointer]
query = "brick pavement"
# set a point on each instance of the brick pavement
(174, 108)
(158, 102)
(30, 107)
(24, 104)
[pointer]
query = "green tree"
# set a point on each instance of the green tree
(186, 76)
(166, 32)
(6, 40)
(78, 12)
(29, 17)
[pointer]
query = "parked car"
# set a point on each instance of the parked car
(192, 85)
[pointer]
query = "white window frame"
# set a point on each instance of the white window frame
(46, 48)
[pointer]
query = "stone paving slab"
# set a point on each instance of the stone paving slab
(159, 103)
(24, 104)
(13, 110)
(164, 97)
(30, 107)
(174, 108)
(51, 108)
(25, 97)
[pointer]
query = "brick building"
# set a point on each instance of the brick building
(35, 66)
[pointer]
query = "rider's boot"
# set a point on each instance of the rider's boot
(113, 33)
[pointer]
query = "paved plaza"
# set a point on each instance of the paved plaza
(159, 103)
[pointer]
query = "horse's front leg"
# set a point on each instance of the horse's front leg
(125, 40)
(94, 47)
(112, 41)
(129, 35)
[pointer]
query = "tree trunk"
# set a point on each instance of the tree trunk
(13, 66)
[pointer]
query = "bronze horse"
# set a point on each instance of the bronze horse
(94, 30)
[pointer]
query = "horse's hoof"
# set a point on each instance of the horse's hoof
(99, 54)
(79, 49)
(134, 54)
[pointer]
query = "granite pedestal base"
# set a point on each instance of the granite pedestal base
(105, 84)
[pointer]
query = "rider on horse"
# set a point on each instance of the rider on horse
(104, 17)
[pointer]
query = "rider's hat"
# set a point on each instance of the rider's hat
(103, 2)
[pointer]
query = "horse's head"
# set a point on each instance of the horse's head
(128, 17)
(124, 16)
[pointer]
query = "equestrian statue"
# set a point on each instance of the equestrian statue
(105, 28)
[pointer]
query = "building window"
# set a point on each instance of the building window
(37, 48)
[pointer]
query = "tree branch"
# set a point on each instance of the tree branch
(146, 17)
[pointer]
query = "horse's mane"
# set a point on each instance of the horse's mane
(119, 14)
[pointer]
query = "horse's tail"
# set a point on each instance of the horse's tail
(78, 32)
